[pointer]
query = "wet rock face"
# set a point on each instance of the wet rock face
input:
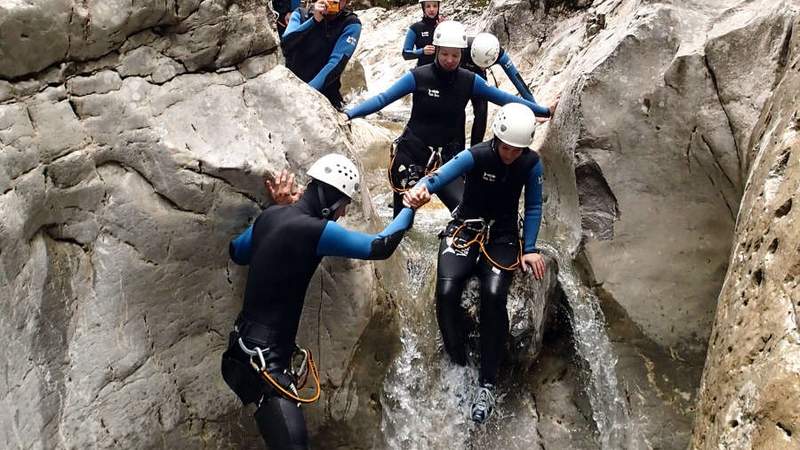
(751, 383)
(122, 178)
(187, 35)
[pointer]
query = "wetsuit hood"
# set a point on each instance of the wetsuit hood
(446, 76)
(429, 21)
(317, 198)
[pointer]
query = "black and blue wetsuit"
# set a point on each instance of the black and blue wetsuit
(418, 36)
(491, 193)
(436, 123)
(283, 247)
(317, 52)
(283, 7)
(479, 106)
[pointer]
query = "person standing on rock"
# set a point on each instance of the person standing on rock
(283, 247)
(435, 130)
(484, 51)
(319, 42)
(419, 38)
(483, 239)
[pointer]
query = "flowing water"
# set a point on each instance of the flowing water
(426, 398)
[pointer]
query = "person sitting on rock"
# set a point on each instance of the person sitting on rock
(318, 44)
(484, 51)
(419, 38)
(483, 239)
(435, 130)
(283, 247)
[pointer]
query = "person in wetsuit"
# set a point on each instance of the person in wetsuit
(283, 248)
(283, 12)
(419, 38)
(318, 44)
(484, 51)
(435, 130)
(483, 239)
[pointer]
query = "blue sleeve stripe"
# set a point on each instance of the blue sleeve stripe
(408, 46)
(337, 240)
(344, 48)
(459, 165)
(513, 74)
(405, 85)
(295, 26)
(481, 89)
(295, 4)
(533, 207)
(241, 247)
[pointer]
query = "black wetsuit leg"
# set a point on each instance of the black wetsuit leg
(451, 194)
(281, 423)
(480, 108)
(495, 284)
(453, 271)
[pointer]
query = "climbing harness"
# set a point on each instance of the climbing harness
(481, 233)
(413, 172)
(299, 376)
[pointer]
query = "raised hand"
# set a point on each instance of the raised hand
(282, 188)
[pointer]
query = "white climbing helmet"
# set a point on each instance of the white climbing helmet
(514, 125)
(485, 50)
(450, 34)
(338, 171)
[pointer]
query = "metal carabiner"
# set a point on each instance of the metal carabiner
(257, 352)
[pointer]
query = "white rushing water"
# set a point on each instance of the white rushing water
(426, 398)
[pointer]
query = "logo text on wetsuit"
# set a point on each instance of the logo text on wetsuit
(352, 41)
(425, 34)
(433, 93)
(489, 177)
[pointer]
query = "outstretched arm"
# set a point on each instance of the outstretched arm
(409, 52)
(515, 77)
(337, 240)
(481, 89)
(342, 51)
(459, 165)
(405, 85)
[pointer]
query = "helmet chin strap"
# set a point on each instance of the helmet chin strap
(328, 211)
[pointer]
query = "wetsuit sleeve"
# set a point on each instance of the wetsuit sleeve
(241, 247)
(284, 6)
(295, 31)
(481, 89)
(513, 74)
(337, 240)
(342, 51)
(404, 86)
(459, 165)
(408, 46)
(533, 208)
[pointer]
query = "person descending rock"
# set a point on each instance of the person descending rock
(484, 51)
(435, 130)
(318, 44)
(283, 247)
(483, 239)
(419, 38)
